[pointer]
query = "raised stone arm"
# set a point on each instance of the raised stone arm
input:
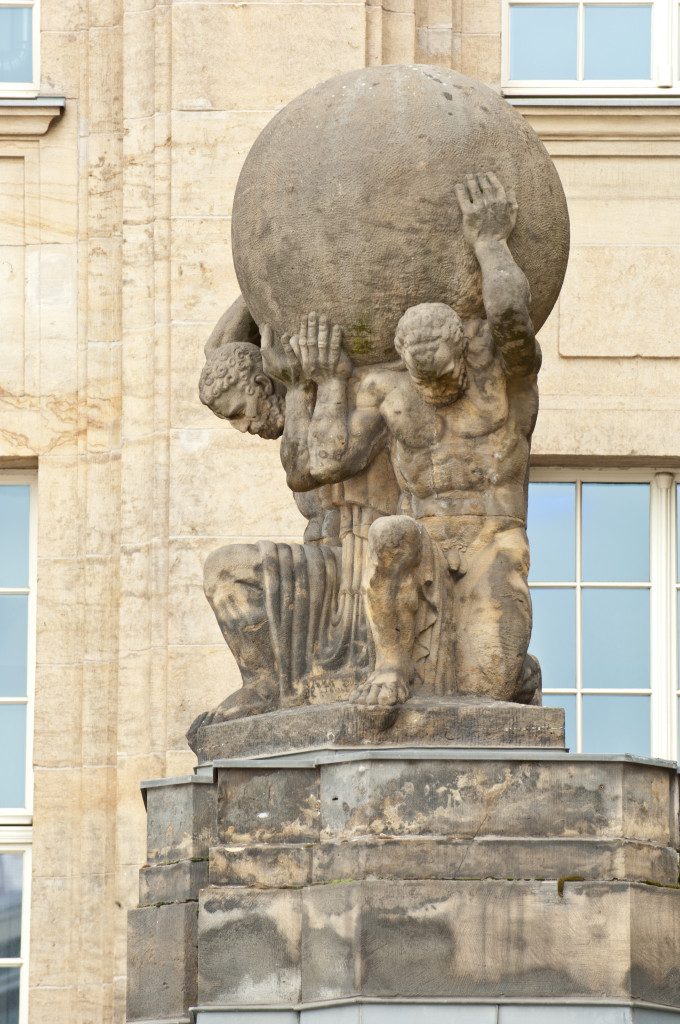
(489, 216)
(341, 441)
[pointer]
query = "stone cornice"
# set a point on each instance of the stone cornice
(606, 130)
(30, 117)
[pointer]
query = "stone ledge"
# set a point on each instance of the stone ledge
(428, 858)
(29, 117)
(432, 722)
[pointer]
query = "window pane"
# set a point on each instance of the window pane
(14, 503)
(16, 45)
(543, 42)
(615, 638)
(11, 869)
(618, 41)
(551, 529)
(563, 700)
(615, 533)
(9, 995)
(13, 638)
(616, 724)
(12, 755)
(553, 636)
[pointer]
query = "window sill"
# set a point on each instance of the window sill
(605, 127)
(29, 117)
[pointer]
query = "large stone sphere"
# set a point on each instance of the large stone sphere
(346, 203)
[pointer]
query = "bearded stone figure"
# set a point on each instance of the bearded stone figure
(400, 371)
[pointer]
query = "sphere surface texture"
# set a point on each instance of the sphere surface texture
(346, 205)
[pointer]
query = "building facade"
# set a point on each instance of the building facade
(123, 127)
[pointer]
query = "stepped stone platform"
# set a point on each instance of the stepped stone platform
(357, 884)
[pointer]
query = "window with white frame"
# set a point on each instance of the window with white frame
(604, 48)
(19, 48)
(605, 588)
(17, 661)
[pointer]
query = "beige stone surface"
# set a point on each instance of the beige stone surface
(212, 67)
(610, 303)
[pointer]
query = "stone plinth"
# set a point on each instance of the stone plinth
(424, 722)
(333, 886)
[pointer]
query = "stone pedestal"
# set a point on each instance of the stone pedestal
(481, 876)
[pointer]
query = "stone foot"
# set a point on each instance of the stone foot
(383, 688)
(255, 699)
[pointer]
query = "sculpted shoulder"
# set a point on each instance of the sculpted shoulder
(374, 386)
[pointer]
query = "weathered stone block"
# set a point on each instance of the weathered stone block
(180, 818)
(423, 722)
(162, 961)
(268, 805)
(264, 864)
(513, 797)
(172, 883)
(250, 943)
(479, 939)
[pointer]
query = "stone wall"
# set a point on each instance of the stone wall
(115, 273)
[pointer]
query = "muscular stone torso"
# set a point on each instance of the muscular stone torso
(469, 457)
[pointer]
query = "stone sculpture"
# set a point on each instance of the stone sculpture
(405, 406)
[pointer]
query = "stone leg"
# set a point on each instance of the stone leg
(233, 580)
(390, 588)
(492, 610)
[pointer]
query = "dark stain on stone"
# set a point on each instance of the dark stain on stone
(448, 96)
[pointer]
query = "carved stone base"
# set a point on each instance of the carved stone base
(481, 877)
(421, 722)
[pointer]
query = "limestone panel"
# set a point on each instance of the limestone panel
(481, 17)
(60, 610)
(12, 215)
(186, 409)
(57, 15)
(223, 481)
(12, 302)
(57, 716)
(199, 677)
(12, 271)
(60, 62)
(306, 43)
(480, 58)
(398, 33)
(190, 618)
(620, 301)
(203, 276)
(209, 147)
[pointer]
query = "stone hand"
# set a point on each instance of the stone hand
(279, 361)
(489, 212)
(319, 351)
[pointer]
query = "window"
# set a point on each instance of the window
(605, 587)
(602, 48)
(17, 661)
(19, 43)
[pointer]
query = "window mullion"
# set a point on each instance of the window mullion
(580, 56)
(579, 627)
(661, 618)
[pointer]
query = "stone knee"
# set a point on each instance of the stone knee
(233, 582)
(395, 541)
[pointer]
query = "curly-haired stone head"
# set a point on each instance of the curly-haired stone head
(236, 388)
(430, 341)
